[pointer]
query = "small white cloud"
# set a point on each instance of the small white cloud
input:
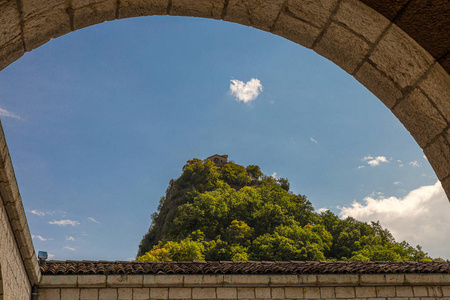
(93, 220)
(313, 140)
(50, 255)
(70, 238)
(323, 209)
(415, 163)
(69, 248)
(360, 167)
(274, 175)
(375, 161)
(38, 237)
(64, 223)
(245, 92)
(130, 258)
(397, 182)
(272, 102)
(38, 213)
(5, 113)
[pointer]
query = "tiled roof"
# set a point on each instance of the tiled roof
(249, 267)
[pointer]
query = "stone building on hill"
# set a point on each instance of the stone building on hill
(219, 160)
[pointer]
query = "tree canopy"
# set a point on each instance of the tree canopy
(237, 213)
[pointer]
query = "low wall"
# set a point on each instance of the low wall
(329, 286)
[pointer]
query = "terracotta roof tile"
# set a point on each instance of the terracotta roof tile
(53, 267)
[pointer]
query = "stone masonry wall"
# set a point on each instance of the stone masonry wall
(14, 276)
(335, 286)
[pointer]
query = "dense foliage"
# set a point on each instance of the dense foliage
(237, 213)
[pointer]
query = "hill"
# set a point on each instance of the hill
(229, 212)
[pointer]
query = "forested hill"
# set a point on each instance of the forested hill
(236, 213)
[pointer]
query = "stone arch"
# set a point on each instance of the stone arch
(369, 42)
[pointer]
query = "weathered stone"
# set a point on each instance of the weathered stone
(420, 291)
(438, 154)
(397, 279)
(49, 294)
(446, 186)
(400, 57)
(10, 52)
(365, 292)
(262, 293)
(345, 292)
(296, 30)
(9, 18)
(136, 8)
(58, 281)
(404, 291)
(94, 13)
(180, 293)
(284, 280)
(163, 280)
(277, 293)
(308, 279)
(91, 280)
(445, 291)
(342, 47)
(314, 12)
(203, 280)
(203, 293)
(256, 13)
(159, 293)
(361, 19)
(311, 292)
(70, 294)
(246, 293)
(385, 291)
(327, 293)
(437, 87)
(124, 293)
(226, 293)
(124, 280)
(338, 279)
(200, 8)
(107, 294)
(246, 280)
(434, 291)
(420, 117)
(88, 294)
(141, 293)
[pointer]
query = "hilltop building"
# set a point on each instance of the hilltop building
(219, 160)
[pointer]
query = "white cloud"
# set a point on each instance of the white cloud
(313, 140)
(274, 175)
(93, 220)
(360, 167)
(323, 209)
(64, 222)
(70, 238)
(5, 113)
(397, 182)
(414, 163)
(38, 237)
(375, 161)
(421, 217)
(50, 255)
(38, 213)
(69, 248)
(245, 92)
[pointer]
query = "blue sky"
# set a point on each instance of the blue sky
(99, 120)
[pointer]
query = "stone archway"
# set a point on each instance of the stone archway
(396, 49)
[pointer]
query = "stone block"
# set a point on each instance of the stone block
(385, 291)
(9, 18)
(296, 30)
(125, 294)
(246, 280)
(203, 280)
(49, 294)
(201, 8)
(314, 12)
(203, 293)
(308, 279)
(361, 19)
(284, 280)
(446, 186)
(379, 84)
(141, 293)
(180, 293)
(365, 292)
(420, 291)
(256, 13)
(93, 13)
(163, 280)
(338, 279)
(137, 8)
(70, 294)
(246, 293)
(92, 280)
(327, 293)
(11, 52)
(345, 292)
(420, 117)
(159, 293)
(107, 294)
(262, 293)
(124, 280)
(39, 29)
(445, 291)
(88, 294)
(226, 293)
(438, 154)
(311, 292)
(400, 57)
(436, 86)
(58, 281)
(434, 291)
(277, 293)
(342, 47)
(404, 291)
(397, 279)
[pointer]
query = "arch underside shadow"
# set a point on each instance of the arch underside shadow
(363, 42)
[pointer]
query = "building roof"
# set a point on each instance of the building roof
(53, 267)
